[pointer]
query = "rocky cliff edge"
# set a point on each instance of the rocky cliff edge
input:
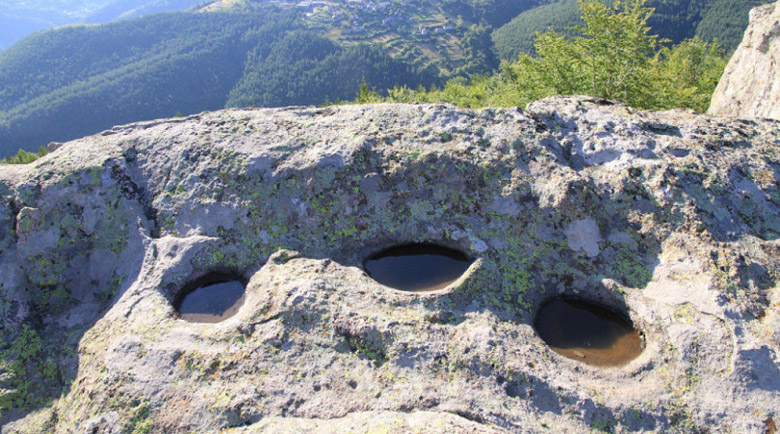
(670, 217)
(750, 85)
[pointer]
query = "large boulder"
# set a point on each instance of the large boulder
(671, 218)
(750, 85)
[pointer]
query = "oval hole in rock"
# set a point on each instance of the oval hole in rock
(417, 267)
(587, 332)
(211, 299)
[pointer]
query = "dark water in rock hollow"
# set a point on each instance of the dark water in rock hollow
(212, 302)
(417, 267)
(588, 333)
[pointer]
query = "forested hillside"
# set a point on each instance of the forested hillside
(69, 82)
(452, 36)
(674, 20)
(613, 55)
(304, 69)
(726, 20)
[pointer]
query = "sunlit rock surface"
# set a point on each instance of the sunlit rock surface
(670, 217)
(750, 85)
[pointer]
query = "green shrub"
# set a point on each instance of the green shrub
(24, 157)
(612, 56)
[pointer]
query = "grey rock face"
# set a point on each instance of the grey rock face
(584, 235)
(671, 218)
(750, 85)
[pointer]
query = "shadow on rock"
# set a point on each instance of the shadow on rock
(79, 246)
(759, 369)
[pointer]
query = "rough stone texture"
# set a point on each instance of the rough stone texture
(750, 85)
(373, 422)
(680, 217)
(584, 235)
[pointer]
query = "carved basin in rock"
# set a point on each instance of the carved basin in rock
(417, 267)
(588, 332)
(211, 299)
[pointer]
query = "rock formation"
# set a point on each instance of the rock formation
(670, 217)
(750, 85)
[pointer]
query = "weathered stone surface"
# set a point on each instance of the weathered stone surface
(677, 220)
(750, 85)
(372, 421)
(584, 235)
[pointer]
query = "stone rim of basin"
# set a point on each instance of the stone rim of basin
(458, 261)
(204, 281)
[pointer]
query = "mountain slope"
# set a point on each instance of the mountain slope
(123, 9)
(726, 20)
(322, 71)
(674, 20)
(69, 82)
(13, 26)
(424, 32)
(518, 35)
(20, 19)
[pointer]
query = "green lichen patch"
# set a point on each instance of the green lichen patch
(28, 371)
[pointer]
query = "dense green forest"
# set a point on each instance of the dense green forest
(321, 71)
(613, 55)
(726, 20)
(675, 20)
(492, 12)
(66, 83)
